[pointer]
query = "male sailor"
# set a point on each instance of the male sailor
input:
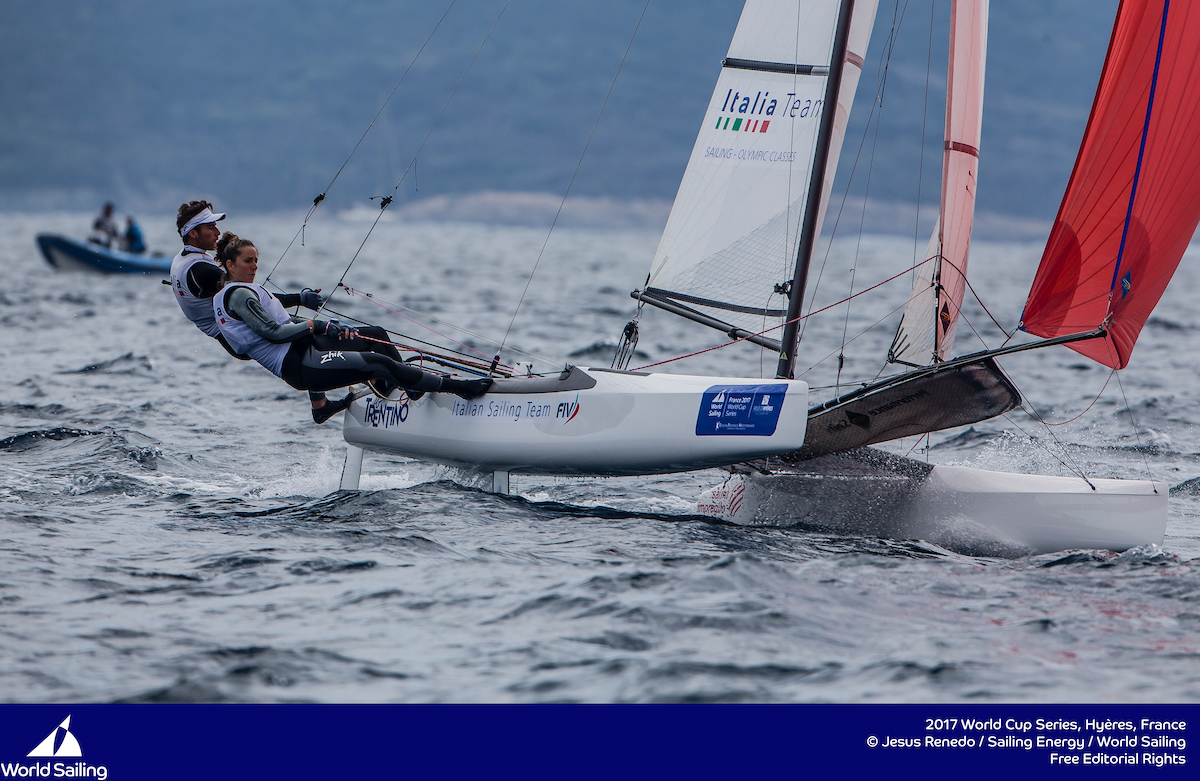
(196, 276)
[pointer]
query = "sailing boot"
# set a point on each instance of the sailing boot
(331, 408)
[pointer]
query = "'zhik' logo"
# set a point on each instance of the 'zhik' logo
(59, 743)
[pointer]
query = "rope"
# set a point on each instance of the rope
(917, 444)
(781, 325)
(462, 357)
(1069, 467)
(386, 306)
(575, 173)
(856, 337)
(317, 201)
(786, 322)
(1132, 422)
(884, 65)
(1085, 411)
(386, 201)
(924, 122)
(444, 360)
(354, 292)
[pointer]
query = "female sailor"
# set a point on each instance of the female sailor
(314, 355)
(196, 274)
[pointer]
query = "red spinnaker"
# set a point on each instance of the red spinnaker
(1133, 201)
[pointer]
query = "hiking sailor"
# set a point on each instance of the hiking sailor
(313, 355)
(196, 276)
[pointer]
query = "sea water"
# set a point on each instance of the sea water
(172, 530)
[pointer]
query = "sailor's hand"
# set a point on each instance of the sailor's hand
(334, 329)
(312, 299)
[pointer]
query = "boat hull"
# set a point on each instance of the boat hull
(970, 510)
(591, 422)
(67, 254)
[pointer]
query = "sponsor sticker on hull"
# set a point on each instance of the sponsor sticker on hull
(740, 410)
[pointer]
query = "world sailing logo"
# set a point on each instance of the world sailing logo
(59, 743)
(60, 736)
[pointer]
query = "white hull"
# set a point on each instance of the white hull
(603, 423)
(960, 508)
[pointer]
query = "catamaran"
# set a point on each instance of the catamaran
(1129, 211)
(735, 256)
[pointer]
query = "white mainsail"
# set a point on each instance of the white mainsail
(734, 228)
(926, 333)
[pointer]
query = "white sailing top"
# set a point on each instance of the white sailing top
(242, 337)
(195, 308)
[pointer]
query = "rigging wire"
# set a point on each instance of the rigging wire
(384, 304)
(1132, 422)
(885, 60)
(575, 173)
(446, 358)
(774, 328)
(786, 322)
(346, 316)
(924, 123)
(1075, 469)
(864, 332)
(1026, 406)
(858, 245)
(317, 201)
(1088, 407)
(788, 251)
(386, 201)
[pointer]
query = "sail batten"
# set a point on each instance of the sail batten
(775, 67)
(1133, 200)
(730, 245)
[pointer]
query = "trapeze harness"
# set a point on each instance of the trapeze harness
(316, 363)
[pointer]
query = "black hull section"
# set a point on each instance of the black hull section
(931, 399)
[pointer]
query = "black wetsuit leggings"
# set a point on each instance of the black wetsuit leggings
(320, 363)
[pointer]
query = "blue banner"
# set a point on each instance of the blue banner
(740, 410)
(592, 741)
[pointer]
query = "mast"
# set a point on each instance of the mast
(812, 206)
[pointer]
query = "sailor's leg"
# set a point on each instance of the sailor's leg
(370, 339)
(337, 369)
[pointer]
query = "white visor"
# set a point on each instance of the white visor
(203, 218)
